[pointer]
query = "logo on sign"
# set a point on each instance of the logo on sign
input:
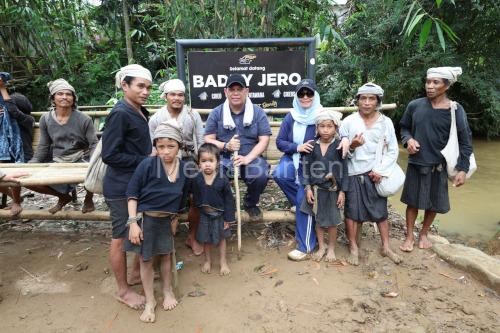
(247, 59)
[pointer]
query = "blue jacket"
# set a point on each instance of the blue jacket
(11, 145)
(284, 140)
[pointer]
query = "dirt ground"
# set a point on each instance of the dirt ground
(62, 283)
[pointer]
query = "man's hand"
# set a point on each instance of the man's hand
(459, 179)
(135, 234)
(357, 141)
(13, 176)
(375, 177)
(154, 152)
(341, 200)
(241, 160)
(234, 143)
(310, 197)
(306, 147)
(344, 146)
(412, 146)
(226, 225)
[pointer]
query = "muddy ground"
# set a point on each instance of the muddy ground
(55, 277)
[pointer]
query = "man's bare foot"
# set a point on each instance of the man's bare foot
(194, 245)
(15, 209)
(63, 201)
(134, 279)
(407, 246)
(353, 257)
(330, 256)
(224, 268)
(206, 268)
(88, 206)
(131, 299)
(391, 255)
(169, 301)
(148, 315)
(318, 255)
(424, 242)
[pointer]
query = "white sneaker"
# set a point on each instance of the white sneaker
(293, 209)
(297, 255)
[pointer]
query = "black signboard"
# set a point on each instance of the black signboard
(271, 76)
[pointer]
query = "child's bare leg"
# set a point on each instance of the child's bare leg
(207, 265)
(15, 207)
(147, 277)
(88, 203)
(169, 300)
(332, 239)
(320, 235)
(224, 268)
(352, 235)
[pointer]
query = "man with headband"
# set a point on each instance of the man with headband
(66, 136)
(425, 129)
(238, 125)
(365, 129)
(125, 143)
(192, 134)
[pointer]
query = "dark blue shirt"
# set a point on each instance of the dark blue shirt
(249, 135)
(217, 196)
(431, 128)
(150, 186)
(284, 140)
(125, 143)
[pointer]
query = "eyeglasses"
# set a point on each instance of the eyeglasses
(305, 92)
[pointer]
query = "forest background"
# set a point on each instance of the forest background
(390, 42)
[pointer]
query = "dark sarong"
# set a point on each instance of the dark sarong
(328, 214)
(426, 187)
(211, 228)
(157, 232)
(363, 202)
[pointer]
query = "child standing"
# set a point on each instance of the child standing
(212, 195)
(325, 180)
(158, 189)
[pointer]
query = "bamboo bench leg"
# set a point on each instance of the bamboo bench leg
(74, 196)
(4, 201)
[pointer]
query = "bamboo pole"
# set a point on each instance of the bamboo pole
(282, 216)
(42, 165)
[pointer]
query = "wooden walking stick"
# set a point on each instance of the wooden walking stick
(238, 210)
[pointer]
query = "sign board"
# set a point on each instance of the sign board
(271, 76)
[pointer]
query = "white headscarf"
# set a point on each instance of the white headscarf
(169, 129)
(58, 85)
(132, 71)
(170, 86)
(449, 73)
(325, 114)
(372, 89)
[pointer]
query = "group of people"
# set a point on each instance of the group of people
(158, 166)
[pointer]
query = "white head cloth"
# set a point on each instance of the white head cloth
(371, 88)
(449, 73)
(325, 114)
(58, 85)
(170, 86)
(133, 71)
(169, 129)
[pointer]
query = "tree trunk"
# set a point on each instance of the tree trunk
(128, 41)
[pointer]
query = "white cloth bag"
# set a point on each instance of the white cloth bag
(96, 171)
(451, 151)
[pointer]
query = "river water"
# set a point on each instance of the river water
(475, 206)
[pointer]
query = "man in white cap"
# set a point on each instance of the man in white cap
(173, 91)
(425, 129)
(66, 136)
(365, 129)
(125, 143)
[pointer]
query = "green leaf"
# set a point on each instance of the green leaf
(408, 17)
(424, 32)
(440, 35)
(413, 24)
(449, 32)
(438, 3)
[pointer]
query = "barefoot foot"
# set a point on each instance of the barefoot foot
(206, 268)
(169, 301)
(424, 242)
(15, 209)
(353, 257)
(134, 279)
(330, 256)
(131, 299)
(391, 255)
(224, 269)
(194, 245)
(407, 246)
(148, 315)
(88, 206)
(318, 255)
(63, 201)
